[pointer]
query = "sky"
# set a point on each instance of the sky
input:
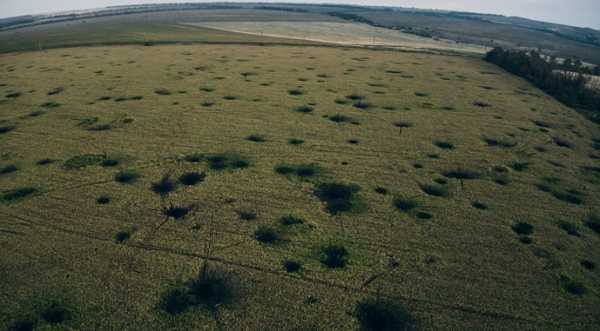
(585, 13)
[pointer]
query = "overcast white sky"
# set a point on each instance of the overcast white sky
(573, 12)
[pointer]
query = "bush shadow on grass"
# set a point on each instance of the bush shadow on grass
(219, 162)
(43, 313)
(333, 256)
(265, 234)
(212, 290)
(17, 194)
(338, 197)
(379, 314)
(302, 171)
(127, 176)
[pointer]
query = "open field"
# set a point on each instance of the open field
(487, 32)
(340, 33)
(158, 27)
(439, 182)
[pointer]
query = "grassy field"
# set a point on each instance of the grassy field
(487, 33)
(307, 179)
(160, 27)
(341, 33)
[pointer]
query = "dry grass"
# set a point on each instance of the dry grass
(459, 265)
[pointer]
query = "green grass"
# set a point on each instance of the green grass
(84, 160)
(367, 199)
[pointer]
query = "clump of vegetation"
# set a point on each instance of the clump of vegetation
(587, 264)
(288, 220)
(162, 91)
(567, 197)
(13, 95)
(481, 104)
(25, 324)
(127, 176)
(55, 91)
(479, 205)
(422, 215)
(403, 124)
(247, 215)
(295, 92)
(194, 158)
(337, 197)
(496, 142)
(461, 174)
(7, 129)
(266, 234)
(291, 265)
(522, 228)
(122, 236)
(304, 109)
(50, 104)
(355, 97)
(103, 200)
(333, 256)
(381, 190)
(108, 163)
(8, 169)
(502, 181)
(227, 161)
(192, 178)
(100, 127)
(176, 212)
(128, 98)
(164, 186)
(43, 162)
(338, 118)
(85, 160)
(421, 94)
(302, 171)
(570, 228)
(17, 194)
(404, 205)
(256, 138)
(295, 141)
(561, 142)
(377, 314)
(443, 144)
(593, 222)
(362, 105)
(211, 290)
(519, 166)
(56, 313)
(434, 190)
(526, 240)
(571, 286)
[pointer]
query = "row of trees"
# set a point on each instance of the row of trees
(569, 87)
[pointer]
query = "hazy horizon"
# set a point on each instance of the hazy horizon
(582, 13)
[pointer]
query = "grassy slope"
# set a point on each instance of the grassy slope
(140, 28)
(480, 32)
(463, 269)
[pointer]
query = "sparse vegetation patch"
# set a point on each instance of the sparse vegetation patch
(337, 197)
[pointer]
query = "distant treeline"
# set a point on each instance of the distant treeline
(352, 17)
(569, 87)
